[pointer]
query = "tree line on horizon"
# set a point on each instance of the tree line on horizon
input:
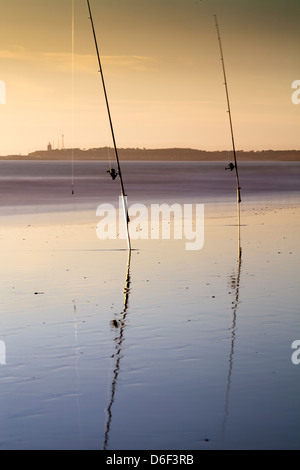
(177, 153)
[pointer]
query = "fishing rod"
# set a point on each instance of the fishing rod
(230, 166)
(112, 172)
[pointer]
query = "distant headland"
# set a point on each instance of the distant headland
(167, 154)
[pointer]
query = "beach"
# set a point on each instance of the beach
(166, 349)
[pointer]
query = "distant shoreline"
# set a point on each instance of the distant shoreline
(168, 154)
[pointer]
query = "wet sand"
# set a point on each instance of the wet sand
(177, 350)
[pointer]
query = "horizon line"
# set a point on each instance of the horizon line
(146, 149)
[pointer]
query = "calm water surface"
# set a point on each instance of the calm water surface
(49, 183)
(170, 349)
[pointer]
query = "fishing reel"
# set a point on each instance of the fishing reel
(112, 173)
(230, 166)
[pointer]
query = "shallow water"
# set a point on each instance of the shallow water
(199, 352)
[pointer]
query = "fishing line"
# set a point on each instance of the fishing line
(72, 93)
(109, 156)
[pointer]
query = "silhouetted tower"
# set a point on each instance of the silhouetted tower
(49, 147)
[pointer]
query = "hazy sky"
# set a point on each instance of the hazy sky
(162, 69)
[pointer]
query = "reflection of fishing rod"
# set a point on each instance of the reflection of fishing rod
(112, 172)
(118, 349)
(230, 166)
(235, 284)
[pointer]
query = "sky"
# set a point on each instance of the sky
(162, 69)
